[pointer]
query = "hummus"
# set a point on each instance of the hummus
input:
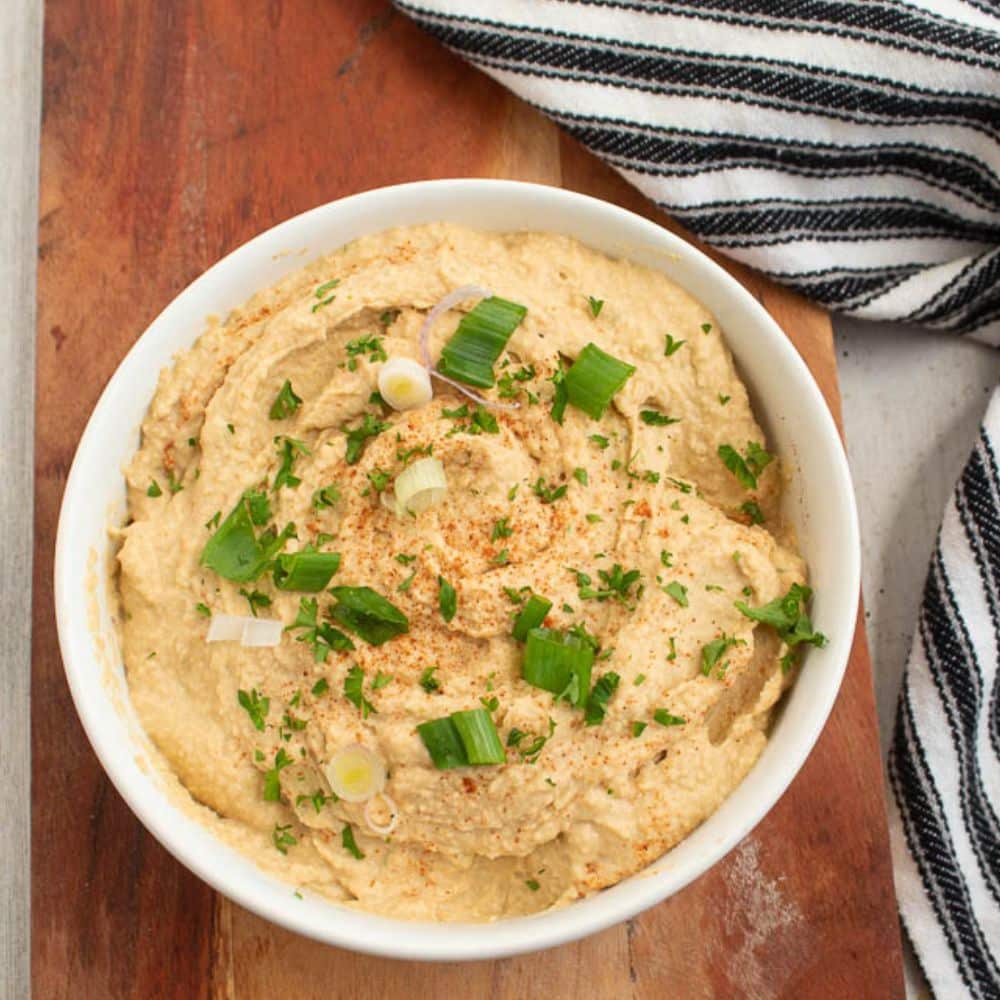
(639, 527)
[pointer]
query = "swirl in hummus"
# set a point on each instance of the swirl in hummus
(654, 532)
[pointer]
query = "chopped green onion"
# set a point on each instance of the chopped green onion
(462, 738)
(558, 662)
(561, 397)
(481, 336)
(305, 570)
(479, 736)
(443, 743)
(420, 486)
(285, 403)
(597, 703)
(354, 683)
(593, 380)
(531, 616)
(368, 614)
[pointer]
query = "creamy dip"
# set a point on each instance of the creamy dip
(656, 537)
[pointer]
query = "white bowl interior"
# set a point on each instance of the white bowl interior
(820, 502)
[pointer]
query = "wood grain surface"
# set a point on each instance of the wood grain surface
(172, 132)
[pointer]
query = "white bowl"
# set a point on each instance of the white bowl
(788, 403)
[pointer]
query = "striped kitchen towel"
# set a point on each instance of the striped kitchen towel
(944, 763)
(851, 150)
(847, 148)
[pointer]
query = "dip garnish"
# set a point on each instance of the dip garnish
(461, 739)
(404, 384)
(428, 681)
(548, 494)
(368, 614)
(594, 378)
(447, 599)
(370, 345)
(597, 703)
(657, 419)
(671, 345)
(752, 509)
(787, 616)
(479, 341)
(256, 706)
(272, 781)
(677, 591)
(322, 636)
(747, 467)
(530, 616)
(285, 403)
(713, 651)
(420, 486)
(558, 662)
(282, 839)
(288, 448)
(306, 570)
(350, 844)
(357, 437)
(326, 496)
(235, 551)
(595, 306)
(355, 773)
(353, 684)
(153, 490)
(664, 718)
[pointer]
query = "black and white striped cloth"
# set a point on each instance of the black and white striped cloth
(851, 150)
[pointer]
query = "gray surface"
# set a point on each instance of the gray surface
(912, 402)
(20, 83)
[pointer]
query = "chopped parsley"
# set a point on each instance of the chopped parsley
(671, 346)
(666, 558)
(677, 591)
(501, 529)
(706, 327)
(320, 688)
(370, 345)
(580, 475)
(752, 510)
(285, 403)
(714, 651)
(596, 305)
(594, 518)
(748, 466)
(282, 839)
(428, 681)
(255, 705)
(502, 557)
(404, 559)
(353, 684)
(203, 609)
(597, 704)
(533, 884)
(322, 636)
(288, 449)
(548, 494)
(350, 844)
(153, 490)
(447, 599)
(787, 616)
(318, 799)
(255, 599)
(381, 680)
(723, 399)
(657, 419)
(405, 585)
(379, 479)
(600, 440)
(638, 728)
(357, 437)
(326, 496)
(272, 781)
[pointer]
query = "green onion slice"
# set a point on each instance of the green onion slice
(368, 614)
(307, 570)
(597, 703)
(479, 736)
(531, 616)
(462, 738)
(481, 336)
(594, 378)
(558, 662)
(420, 486)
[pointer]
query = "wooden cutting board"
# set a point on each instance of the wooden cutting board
(173, 131)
